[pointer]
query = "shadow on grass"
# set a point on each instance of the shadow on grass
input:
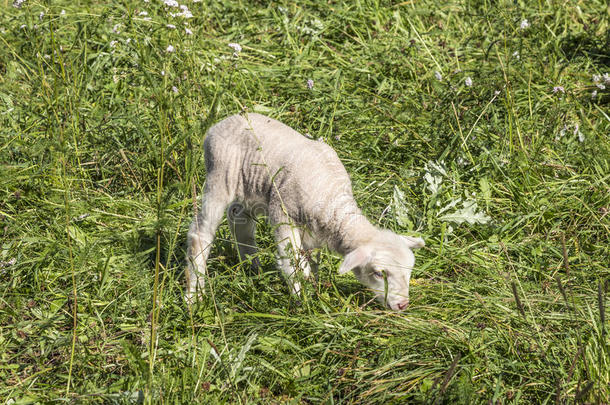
(595, 48)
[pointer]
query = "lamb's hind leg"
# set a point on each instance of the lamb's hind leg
(290, 257)
(243, 228)
(200, 238)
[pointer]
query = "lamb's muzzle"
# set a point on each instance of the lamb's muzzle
(259, 166)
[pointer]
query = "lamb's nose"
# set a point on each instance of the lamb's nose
(402, 305)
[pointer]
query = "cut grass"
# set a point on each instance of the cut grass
(101, 133)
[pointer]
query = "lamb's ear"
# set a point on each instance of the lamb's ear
(356, 258)
(414, 243)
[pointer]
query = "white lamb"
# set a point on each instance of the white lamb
(257, 165)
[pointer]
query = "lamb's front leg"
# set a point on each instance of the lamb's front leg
(290, 259)
(200, 238)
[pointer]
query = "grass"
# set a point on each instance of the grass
(508, 181)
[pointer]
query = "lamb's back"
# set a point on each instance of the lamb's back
(263, 158)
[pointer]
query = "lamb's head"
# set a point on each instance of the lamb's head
(384, 264)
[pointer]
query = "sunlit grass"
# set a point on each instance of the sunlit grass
(103, 109)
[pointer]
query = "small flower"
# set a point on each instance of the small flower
(524, 24)
(113, 44)
(516, 55)
(142, 13)
(128, 40)
(170, 26)
(116, 28)
(593, 94)
(175, 89)
(63, 12)
(606, 78)
(18, 3)
(41, 15)
(163, 73)
(171, 3)
(170, 49)
(581, 137)
(8, 263)
(468, 81)
(496, 93)
(601, 86)
(185, 12)
(236, 48)
(558, 89)
(438, 75)
(596, 78)
(310, 84)
(188, 31)
(561, 133)
(22, 26)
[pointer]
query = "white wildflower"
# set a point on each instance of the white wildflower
(516, 55)
(581, 137)
(18, 3)
(175, 89)
(438, 75)
(310, 84)
(22, 26)
(128, 40)
(188, 31)
(113, 44)
(558, 89)
(63, 12)
(170, 49)
(171, 3)
(496, 93)
(601, 86)
(236, 48)
(8, 263)
(41, 15)
(468, 81)
(524, 24)
(163, 73)
(185, 13)
(170, 26)
(594, 94)
(561, 133)
(606, 78)
(116, 29)
(142, 13)
(596, 78)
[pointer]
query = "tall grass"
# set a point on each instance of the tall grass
(482, 126)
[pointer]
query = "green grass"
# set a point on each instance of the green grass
(99, 157)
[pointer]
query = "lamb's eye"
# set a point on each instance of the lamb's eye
(378, 274)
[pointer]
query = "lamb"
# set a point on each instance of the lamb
(259, 166)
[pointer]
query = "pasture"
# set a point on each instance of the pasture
(481, 126)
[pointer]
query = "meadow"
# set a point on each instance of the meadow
(482, 126)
